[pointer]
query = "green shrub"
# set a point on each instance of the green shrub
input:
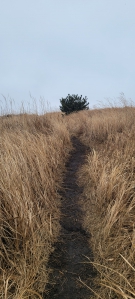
(73, 103)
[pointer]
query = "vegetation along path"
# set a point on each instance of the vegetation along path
(68, 261)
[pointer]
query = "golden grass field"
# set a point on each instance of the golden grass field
(33, 154)
(34, 150)
(109, 186)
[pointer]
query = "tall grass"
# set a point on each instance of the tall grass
(33, 154)
(108, 178)
(34, 150)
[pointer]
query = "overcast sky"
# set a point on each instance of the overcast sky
(52, 48)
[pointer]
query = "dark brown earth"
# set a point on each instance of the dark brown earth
(68, 260)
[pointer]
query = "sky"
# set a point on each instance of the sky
(52, 48)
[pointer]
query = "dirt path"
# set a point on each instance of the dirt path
(68, 259)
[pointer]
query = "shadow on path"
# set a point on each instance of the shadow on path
(68, 261)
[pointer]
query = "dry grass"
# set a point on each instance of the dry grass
(34, 150)
(33, 154)
(109, 186)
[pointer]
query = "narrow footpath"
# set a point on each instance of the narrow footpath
(68, 260)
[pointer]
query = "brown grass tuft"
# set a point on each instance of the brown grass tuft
(109, 186)
(33, 154)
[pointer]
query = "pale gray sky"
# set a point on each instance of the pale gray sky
(49, 48)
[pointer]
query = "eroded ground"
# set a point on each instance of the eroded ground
(68, 261)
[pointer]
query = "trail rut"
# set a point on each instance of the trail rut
(68, 260)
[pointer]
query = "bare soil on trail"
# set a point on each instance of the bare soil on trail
(68, 261)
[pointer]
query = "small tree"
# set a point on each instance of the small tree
(73, 103)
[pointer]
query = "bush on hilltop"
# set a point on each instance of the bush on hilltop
(73, 103)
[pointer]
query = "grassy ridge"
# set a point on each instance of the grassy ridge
(33, 152)
(109, 186)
